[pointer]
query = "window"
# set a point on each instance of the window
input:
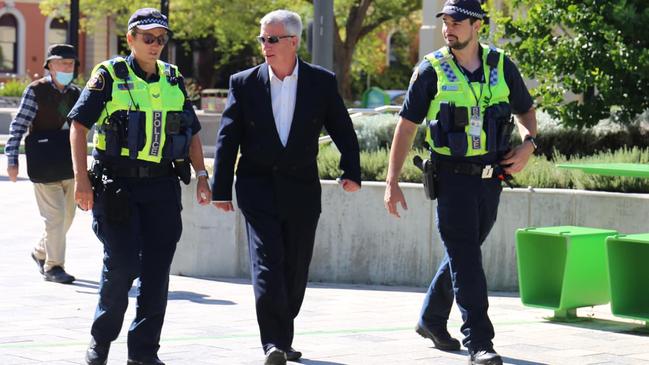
(58, 32)
(8, 43)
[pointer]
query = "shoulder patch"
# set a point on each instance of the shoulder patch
(96, 82)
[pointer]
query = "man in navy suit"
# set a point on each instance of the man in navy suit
(273, 118)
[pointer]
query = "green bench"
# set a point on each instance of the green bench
(563, 268)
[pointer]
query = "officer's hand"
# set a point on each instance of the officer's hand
(224, 206)
(203, 192)
(349, 186)
(83, 192)
(394, 195)
(12, 172)
(516, 159)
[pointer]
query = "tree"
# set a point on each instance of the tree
(597, 48)
(234, 24)
(356, 19)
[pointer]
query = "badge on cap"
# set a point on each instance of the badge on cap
(96, 82)
(156, 14)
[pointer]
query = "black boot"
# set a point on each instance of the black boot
(485, 357)
(440, 337)
(97, 354)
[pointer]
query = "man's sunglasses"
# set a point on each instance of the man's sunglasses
(149, 38)
(272, 39)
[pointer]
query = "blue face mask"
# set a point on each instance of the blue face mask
(64, 78)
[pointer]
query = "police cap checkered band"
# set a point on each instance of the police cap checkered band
(148, 18)
(462, 9)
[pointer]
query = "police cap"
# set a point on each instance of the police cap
(462, 9)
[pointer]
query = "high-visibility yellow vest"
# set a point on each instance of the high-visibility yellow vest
(453, 87)
(154, 99)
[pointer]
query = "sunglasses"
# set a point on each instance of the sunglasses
(149, 38)
(272, 39)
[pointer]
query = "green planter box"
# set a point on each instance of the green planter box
(563, 268)
(628, 258)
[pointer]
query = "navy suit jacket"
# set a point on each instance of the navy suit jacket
(270, 177)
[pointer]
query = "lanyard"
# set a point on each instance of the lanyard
(466, 78)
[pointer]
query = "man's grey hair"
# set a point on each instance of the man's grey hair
(290, 20)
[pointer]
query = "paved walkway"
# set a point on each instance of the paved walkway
(212, 321)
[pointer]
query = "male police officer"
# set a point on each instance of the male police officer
(467, 92)
(143, 122)
(43, 111)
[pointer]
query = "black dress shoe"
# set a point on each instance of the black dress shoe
(275, 356)
(485, 357)
(440, 337)
(293, 355)
(58, 275)
(39, 262)
(153, 361)
(97, 354)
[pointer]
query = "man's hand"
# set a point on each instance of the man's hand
(349, 186)
(12, 172)
(516, 159)
(224, 206)
(83, 192)
(394, 195)
(203, 192)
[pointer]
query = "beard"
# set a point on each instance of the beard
(456, 44)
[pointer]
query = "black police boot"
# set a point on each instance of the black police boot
(97, 354)
(293, 354)
(485, 357)
(440, 337)
(275, 356)
(152, 361)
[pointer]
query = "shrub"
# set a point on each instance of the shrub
(375, 131)
(14, 87)
(539, 173)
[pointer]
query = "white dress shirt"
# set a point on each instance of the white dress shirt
(283, 95)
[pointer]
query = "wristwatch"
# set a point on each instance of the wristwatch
(532, 140)
(201, 173)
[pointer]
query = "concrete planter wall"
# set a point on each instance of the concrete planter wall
(358, 242)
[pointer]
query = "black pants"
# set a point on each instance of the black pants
(466, 211)
(280, 254)
(141, 247)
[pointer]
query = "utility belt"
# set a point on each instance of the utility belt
(431, 168)
(152, 171)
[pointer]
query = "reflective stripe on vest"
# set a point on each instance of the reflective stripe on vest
(452, 86)
(155, 99)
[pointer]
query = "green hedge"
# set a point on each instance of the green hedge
(539, 173)
(376, 132)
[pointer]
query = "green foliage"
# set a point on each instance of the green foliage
(374, 165)
(542, 173)
(596, 48)
(375, 131)
(539, 173)
(13, 87)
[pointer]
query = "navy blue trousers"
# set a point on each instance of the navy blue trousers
(143, 248)
(466, 211)
(280, 254)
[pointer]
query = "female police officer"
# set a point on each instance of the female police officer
(145, 132)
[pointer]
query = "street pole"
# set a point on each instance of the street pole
(73, 25)
(164, 9)
(323, 33)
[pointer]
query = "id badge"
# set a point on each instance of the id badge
(475, 124)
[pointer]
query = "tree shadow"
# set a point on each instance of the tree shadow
(314, 362)
(197, 298)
